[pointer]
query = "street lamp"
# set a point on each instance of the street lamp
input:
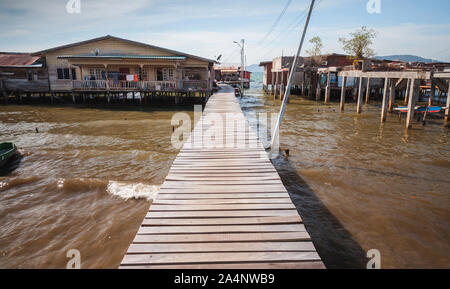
(242, 64)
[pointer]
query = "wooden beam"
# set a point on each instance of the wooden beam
(328, 89)
(368, 90)
(447, 106)
(392, 94)
(432, 92)
(408, 86)
(411, 102)
(384, 104)
(343, 91)
(387, 74)
(359, 103)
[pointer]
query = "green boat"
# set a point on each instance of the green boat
(7, 150)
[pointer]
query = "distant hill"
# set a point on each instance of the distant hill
(255, 68)
(407, 58)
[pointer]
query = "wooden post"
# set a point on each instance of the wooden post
(408, 86)
(392, 94)
(360, 90)
(343, 91)
(318, 88)
(276, 85)
(273, 81)
(384, 104)
(368, 90)
(328, 89)
(282, 85)
(447, 106)
(411, 102)
(432, 92)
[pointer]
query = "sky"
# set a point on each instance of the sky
(208, 28)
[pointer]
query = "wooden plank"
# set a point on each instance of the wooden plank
(220, 229)
(221, 237)
(222, 221)
(228, 207)
(222, 247)
(237, 266)
(159, 201)
(193, 258)
(221, 214)
(246, 196)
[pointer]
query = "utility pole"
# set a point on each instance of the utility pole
(291, 76)
(242, 45)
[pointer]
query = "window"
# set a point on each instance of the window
(63, 73)
(144, 74)
(74, 74)
(97, 74)
(164, 74)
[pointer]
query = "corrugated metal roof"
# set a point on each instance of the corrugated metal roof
(156, 57)
(17, 59)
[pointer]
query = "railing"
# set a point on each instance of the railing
(123, 85)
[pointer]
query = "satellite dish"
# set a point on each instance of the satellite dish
(97, 52)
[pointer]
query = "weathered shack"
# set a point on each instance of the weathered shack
(22, 72)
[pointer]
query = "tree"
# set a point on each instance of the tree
(317, 46)
(316, 49)
(358, 46)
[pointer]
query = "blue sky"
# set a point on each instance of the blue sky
(208, 28)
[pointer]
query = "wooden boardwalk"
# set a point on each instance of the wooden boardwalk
(223, 208)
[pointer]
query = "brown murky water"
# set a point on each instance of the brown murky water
(360, 185)
(70, 189)
(84, 180)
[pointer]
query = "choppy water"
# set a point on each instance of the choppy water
(360, 185)
(85, 180)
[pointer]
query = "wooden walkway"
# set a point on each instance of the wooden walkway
(222, 208)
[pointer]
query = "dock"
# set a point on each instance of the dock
(223, 208)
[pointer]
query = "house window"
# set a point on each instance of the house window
(144, 74)
(164, 74)
(97, 74)
(74, 74)
(63, 73)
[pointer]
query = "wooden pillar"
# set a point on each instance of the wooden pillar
(360, 91)
(432, 92)
(384, 103)
(447, 106)
(282, 86)
(368, 90)
(273, 81)
(343, 91)
(392, 94)
(413, 93)
(276, 85)
(328, 89)
(318, 88)
(408, 86)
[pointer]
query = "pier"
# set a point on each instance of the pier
(222, 207)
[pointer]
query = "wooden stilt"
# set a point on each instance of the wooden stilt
(328, 89)
(360, 90)
(343, 91)
(411, 102)
(368, 90)
(408, 86)
(392, 94)
(432, 92)
(384, 103)
(447, 107)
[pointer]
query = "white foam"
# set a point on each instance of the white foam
(132, 191)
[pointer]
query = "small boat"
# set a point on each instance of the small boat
(7, 150)
(420, 109)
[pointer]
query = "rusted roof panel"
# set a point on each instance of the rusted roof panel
(17, 59)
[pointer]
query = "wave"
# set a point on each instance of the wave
(132, 191)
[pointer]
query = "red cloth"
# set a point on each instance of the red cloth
(136, 79)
